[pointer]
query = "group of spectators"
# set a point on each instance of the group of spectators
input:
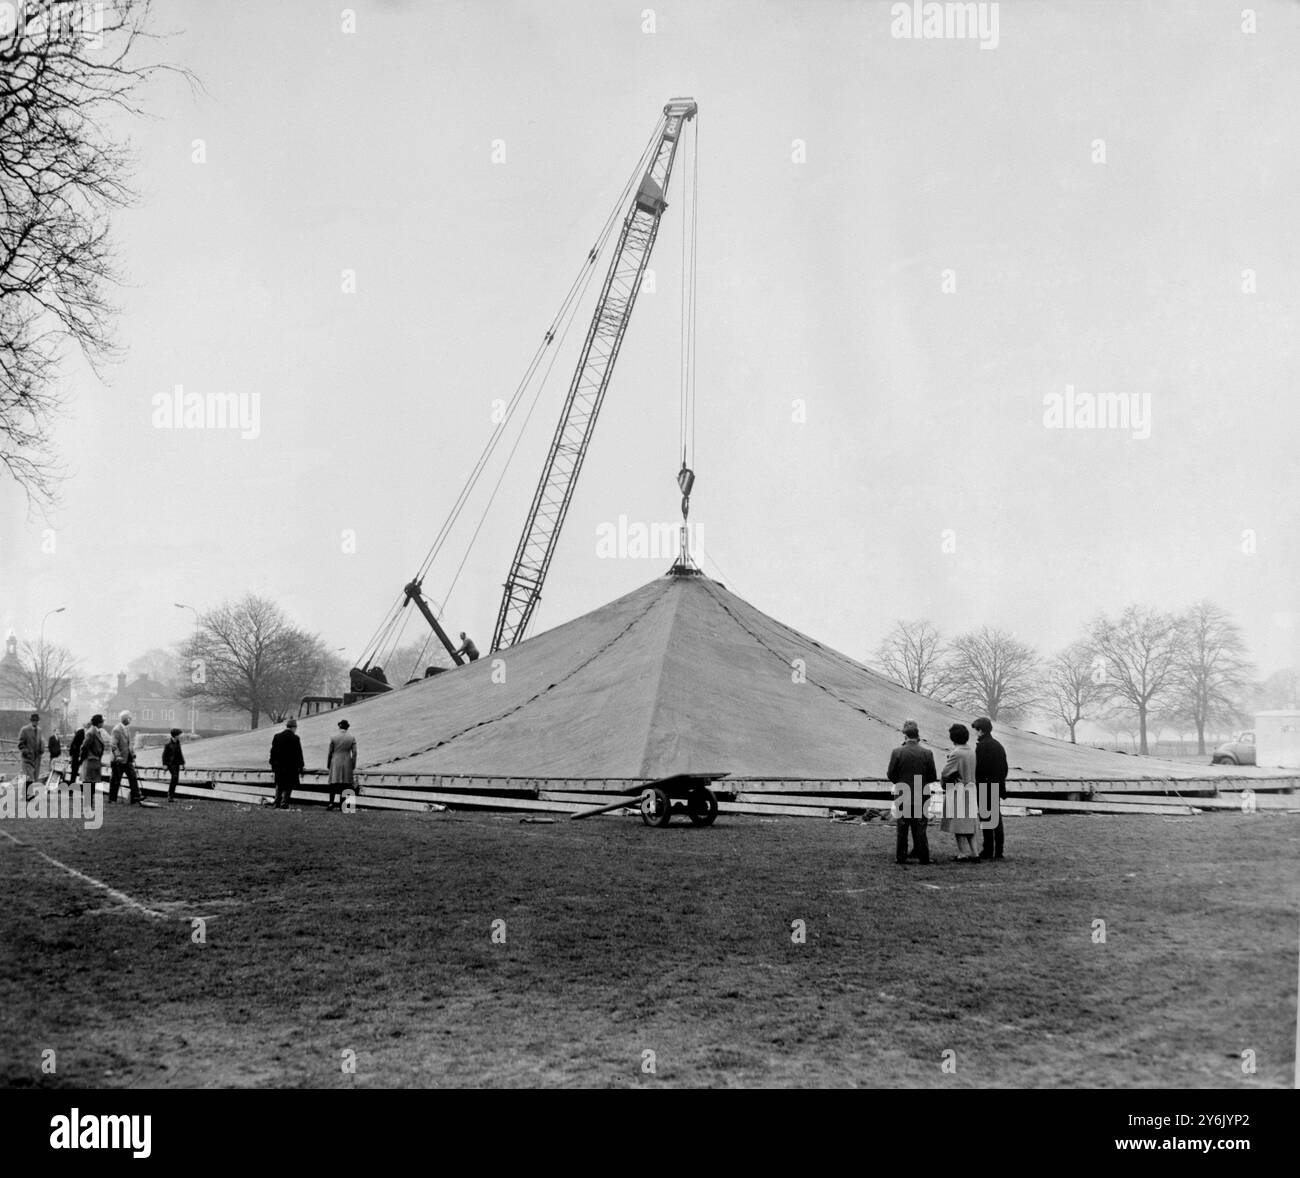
(287, 763)
(90, 746)
(911, 768)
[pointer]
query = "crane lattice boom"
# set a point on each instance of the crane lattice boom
(532, 559)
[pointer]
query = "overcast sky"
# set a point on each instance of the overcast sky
(926, 479)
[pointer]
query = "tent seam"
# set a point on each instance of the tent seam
(821, 686)
(659, 678)
(523, 703)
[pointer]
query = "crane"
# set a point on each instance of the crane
(646, 188)
(532, 559)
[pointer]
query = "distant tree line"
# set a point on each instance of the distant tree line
(243, 655)
(1141, 669)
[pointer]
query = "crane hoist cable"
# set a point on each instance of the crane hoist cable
(501, 477)
(690, 186)
(510, 457)
(384, 639)
(567, 309)
(553, 495)
(686, 412)
(505, 467)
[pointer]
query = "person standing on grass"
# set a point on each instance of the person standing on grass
(123, 764)
(960, 810)
(287, 762)
(92, 753)
(341, 762)
(74, 751)
(30, 750)
(991, 770)
(173, 758)
(910, 765)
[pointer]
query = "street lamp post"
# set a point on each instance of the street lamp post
(40, 654)
(46, 618)
(182, 605)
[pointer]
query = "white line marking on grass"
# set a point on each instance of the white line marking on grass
(120, 897)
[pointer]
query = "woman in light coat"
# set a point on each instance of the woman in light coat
(341, 762)
(960, 807)
(92, 752)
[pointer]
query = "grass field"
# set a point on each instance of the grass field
(372, 933)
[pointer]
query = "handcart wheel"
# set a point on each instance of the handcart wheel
(656, 809)
(702, 807)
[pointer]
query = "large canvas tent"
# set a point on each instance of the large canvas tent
(679, 676)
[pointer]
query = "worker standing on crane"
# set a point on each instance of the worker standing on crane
(467, 647)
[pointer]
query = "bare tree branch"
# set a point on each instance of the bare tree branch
(65, 65)
(43, 673)
(994, 673)
(912, 654)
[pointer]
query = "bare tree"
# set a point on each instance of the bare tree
(92, 691)
(1074, 686)
(1280, 692)
(912, 653)
(1213, 670)
(1120, 719)
(162, 666)
(43, 673)
(1141, 649)
(246, 656)
(311, 669)
(993, 672)
(65, 67)
(409, 660)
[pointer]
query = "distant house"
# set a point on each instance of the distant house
(13, 711)
(155, 707)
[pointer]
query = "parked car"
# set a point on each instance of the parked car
(1240, 750)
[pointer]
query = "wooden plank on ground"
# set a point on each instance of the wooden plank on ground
(775, 811)
(1223, 802)
(256, 795)
(788, 787)
(582, 799)
(483, 802)
(815, 800)
(1060, 806)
